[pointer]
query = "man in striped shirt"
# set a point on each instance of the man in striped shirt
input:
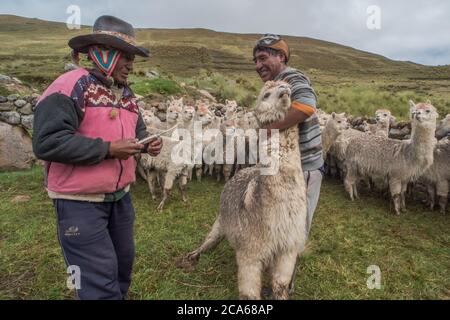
(271, 55)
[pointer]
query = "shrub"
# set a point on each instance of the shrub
(160, 85)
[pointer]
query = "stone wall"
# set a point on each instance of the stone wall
(16, 110)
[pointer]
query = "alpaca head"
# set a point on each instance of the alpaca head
(323, 118)
(384, 117)
(230, 105)
(188, 113)
(273, 102)
(339, 121)
(229, 126)
(423, 114)
(249, 121)
(174, 110)
(149, 117)
(204, 114)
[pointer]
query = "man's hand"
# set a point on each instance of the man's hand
(154, 147)
(292, 118)
(123, 149)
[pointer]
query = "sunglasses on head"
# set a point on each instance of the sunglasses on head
(268, 39)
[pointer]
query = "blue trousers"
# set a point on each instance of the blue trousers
(98, 239)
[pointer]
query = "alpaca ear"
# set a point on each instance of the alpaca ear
(412, 104)
(428, 101)
(333, 115)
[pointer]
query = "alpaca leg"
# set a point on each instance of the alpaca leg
(210, 169)
(442, 189)
(151, 179)
(249, 277)
(227, 168)
(190, 171)
(349, 188)
(198, 173)
(166, 194)
(217, 168)
(355, 191)
(395, 187)
(333, 167)
(368, 184)
(341, 170)
(141, 171)
(211, 241)
(349, 184)
(161, 179)
(443, 200)
(182, 182)
(282, 273)
(168, 184)
(403, 195)
(431, 195)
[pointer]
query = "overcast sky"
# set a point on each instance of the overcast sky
(414, 30)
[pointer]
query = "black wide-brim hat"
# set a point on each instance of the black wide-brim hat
(110, 31)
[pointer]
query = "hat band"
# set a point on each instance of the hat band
(128, 39)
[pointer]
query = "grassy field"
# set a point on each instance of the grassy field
(346, 79)
(412, 250)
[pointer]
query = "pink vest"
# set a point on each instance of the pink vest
(97, 101)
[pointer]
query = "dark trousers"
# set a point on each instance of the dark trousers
(98, 239)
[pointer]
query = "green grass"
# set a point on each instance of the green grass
(4, 91)
(347, 80)
(365, 100)
(232, 87)
(412, 250)
(159, 85)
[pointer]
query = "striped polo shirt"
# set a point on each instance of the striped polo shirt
(304, 99)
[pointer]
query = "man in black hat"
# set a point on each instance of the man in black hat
(86, 128)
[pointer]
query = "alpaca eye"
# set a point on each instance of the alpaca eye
(428, 111)
(267, 95)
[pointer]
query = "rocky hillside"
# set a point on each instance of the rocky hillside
(37, 49)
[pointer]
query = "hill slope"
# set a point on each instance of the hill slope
(346, 79)
(184, 51)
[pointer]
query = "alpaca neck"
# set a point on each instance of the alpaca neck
(289, 148)
(329, 135)
(422, 142)
(383, 126)
(187, 124)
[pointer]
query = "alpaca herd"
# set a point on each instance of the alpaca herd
(362, 152)
(370, 156)
(199, 130)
